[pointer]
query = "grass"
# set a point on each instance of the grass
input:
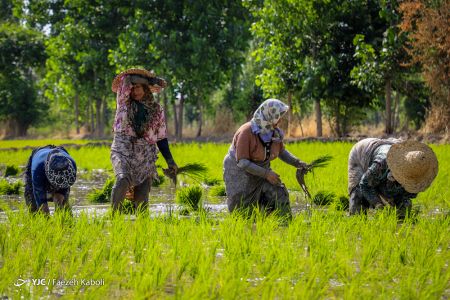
(102, 195)
(332, 178)
(218, 190)
(327, 255)
(39, 143)
(10, 188)
(322, 254)
(11, 170)
(190, 197)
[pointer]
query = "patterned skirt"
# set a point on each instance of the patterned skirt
(245, 190)
(133, 158)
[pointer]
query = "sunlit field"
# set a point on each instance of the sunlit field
(322, 253)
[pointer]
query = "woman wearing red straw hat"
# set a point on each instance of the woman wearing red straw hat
(388, 172)
(139, 129)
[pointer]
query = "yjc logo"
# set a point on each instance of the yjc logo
(39, 281)
(21, 282)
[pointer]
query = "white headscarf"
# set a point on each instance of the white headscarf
(267, 116)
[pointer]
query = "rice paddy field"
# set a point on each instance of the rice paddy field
(212, 254)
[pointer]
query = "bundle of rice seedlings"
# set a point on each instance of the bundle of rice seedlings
(218, 190)
(212, 181)
(127, 207)
(161, 179)
(190, 197)
(342, 203)
(196, 171)
(11, 170)
(7, 188)
(104, 194)
(324, 198)
(320, 162)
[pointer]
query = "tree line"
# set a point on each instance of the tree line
(343, 61)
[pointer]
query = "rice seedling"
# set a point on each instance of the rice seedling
(211, 181)
(217, 190)
(196, 171)
(320, 162)
(10, 188)
(102, 195)
(11, 170)
(190, 197)
(160, 181)
(323, 198)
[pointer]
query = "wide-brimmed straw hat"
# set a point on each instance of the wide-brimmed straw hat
(155, 88)
(413, 164)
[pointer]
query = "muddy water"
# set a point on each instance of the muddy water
(161, 199)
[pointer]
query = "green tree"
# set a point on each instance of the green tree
(195, 44)
(311, 51)
(21, 55)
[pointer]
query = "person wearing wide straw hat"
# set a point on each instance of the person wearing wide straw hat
(388, 172)
(250, 183)
(49, 174)
(139, 131)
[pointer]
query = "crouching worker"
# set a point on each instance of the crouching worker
(388, 173)
(49, 175)
(139, 131)
(249, 181)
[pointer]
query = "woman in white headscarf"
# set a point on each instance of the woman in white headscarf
(249, 181)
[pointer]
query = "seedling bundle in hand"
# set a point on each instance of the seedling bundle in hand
(196, 171)
(320, 162)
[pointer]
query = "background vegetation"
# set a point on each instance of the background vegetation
(342, 63)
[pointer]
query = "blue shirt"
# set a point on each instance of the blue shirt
(39, 180)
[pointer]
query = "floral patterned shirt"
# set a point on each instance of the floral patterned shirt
(154, 133)
(375, 182)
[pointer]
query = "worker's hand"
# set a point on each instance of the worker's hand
(302, 165)
(173, 167)
(273, 178)
(44, 208)
(379, 205)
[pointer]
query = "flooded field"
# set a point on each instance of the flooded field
(322, 254)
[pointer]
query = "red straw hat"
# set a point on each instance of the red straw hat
(155, 88)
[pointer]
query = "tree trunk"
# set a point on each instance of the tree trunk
(22, 129)
(10, 129)
(180, 118)
(166, 110)
(77, 112)
(289, 99)
(98, 117)
(318, 111)
(175, 118)
(388, 91)
(396, 120)
(92, 117)
(200, 121)
(337, 123)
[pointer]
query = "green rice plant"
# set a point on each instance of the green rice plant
(323, 198)
(217, 190)
(11, 170)
(320, 162)
(342, 203)
(7, 188)
(211, 181)
(160, 181)
(195, 171)
(127, 207)
(40, 143)
(102, 195)
(190, 197)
